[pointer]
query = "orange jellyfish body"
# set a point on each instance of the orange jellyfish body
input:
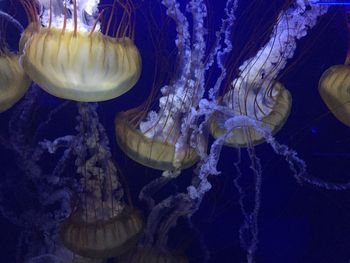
(13, 81)
(249, 136)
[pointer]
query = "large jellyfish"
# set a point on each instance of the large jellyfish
(67, 55)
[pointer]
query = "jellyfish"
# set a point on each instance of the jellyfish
(102, 225)
(157, 139)
(163, 142)
(13, 81)
(256, 91)
(70, 58)
(334, 87)
(269, 102)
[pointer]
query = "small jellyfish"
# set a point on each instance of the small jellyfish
(70, 60)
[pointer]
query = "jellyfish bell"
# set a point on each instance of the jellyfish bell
(102, 238)
(270, 105)
(156, 153)
(70, 60)
(334, 88)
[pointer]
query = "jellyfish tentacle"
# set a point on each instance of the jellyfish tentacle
(11, 19)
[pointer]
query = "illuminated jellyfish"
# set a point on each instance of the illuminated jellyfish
(13, 81)
(164, 214)
(153, 141)
(70, 58)
(256, 92)
(161, 142)
(268, 102)
(102, 225)
(334, 87)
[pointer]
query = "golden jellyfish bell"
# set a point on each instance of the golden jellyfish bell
(154, 153)
(334, 88)
(80, 65)
(104, 238)
(249, 136)
(13, 81)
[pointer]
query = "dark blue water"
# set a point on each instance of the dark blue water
(297, 223)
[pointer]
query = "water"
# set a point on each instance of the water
(297, 222)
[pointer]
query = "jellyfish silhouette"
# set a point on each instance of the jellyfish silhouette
(70, 59)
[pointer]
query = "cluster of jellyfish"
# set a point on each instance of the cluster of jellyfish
(86, 53)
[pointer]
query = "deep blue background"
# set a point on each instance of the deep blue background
(297, 223)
